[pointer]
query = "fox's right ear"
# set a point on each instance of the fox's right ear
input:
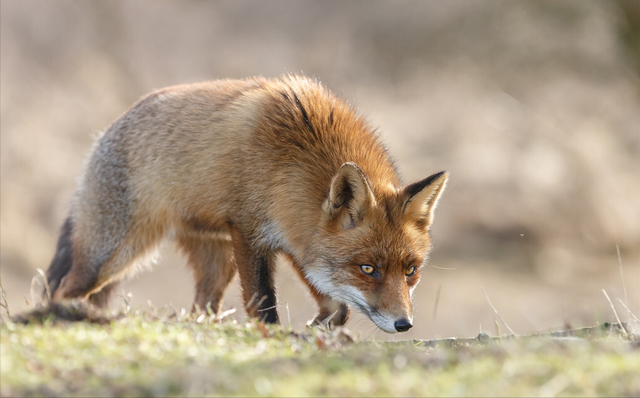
(421, 198)
(349, 196)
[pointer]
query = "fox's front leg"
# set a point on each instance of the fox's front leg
(331, 312)
(256, 270)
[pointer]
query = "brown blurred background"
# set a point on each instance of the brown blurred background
(533, 107)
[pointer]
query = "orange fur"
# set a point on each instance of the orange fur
(237, 172)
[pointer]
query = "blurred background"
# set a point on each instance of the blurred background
(533, 107)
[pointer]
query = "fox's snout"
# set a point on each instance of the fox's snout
(402, 325)
(390, 323)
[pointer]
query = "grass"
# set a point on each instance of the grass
(154, 354)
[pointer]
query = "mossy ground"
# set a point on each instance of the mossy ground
(147, 354)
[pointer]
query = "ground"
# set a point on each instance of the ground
(160, 352)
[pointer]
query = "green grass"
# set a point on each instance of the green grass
(151, 355)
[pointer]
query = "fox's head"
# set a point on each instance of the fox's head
(372, 245)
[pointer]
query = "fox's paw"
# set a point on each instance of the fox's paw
(330, 320)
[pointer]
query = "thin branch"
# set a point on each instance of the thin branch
(46, 284)
(253, 297)
(209, 309)
(225, 314)
(496, 311)
(624, 287)
(286, 305)
(32, 289)
(445, 268)
(261, 301)
(325, 322)
(4, 303)
(266, 309)
(435, 311)
(629, 311)
(615, 313)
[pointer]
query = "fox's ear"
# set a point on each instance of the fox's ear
(349, 196)
(421, 198)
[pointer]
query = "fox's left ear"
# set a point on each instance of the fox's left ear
(421, 198)
(349, 196)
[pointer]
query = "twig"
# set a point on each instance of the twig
(325, 322)
(286, 305)
(253, 297)
(629, 311)
(34, 281)
(261, 301)
(46, 283)
(225, 314)
(168, 306)
(153, 309)
(435, 311)
(126, 297)
(209, 309)
(615, 313)
(445, 268)
(624, 287)
(496, 311)
(4, 303)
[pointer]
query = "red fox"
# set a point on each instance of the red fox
(237, 172)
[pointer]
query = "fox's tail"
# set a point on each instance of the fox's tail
(61, 263)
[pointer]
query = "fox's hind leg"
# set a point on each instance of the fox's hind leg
(100, 259)
(213, 265)
(101, 299)
(112, 225)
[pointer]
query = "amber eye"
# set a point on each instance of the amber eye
(410, 271)
(367, 269)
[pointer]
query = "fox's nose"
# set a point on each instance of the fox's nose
(402, 325)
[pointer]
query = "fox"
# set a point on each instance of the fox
(237, 173)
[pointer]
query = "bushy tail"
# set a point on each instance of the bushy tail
(61, 263)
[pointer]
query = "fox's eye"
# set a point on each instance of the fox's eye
(411, 271)
(367, 269)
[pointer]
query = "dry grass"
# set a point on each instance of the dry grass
(160, 352)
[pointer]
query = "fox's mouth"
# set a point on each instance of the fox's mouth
(383, 322)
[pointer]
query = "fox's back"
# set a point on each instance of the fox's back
(216, 144)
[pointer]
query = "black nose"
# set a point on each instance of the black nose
(402, 325)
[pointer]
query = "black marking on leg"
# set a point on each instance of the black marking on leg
(342, 316)
(266, 295)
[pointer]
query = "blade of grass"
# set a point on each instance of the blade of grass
(435, 312)
(624, 287)
(629, 311)
(47, 289)
(615, 313)
(496, 312)
(4, 303)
